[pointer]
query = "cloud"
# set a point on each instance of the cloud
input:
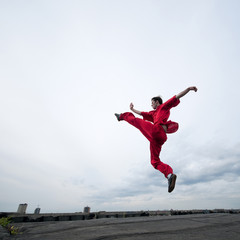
(210, 162)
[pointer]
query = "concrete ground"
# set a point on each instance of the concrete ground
(200, 226)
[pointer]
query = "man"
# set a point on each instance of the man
(156, 132)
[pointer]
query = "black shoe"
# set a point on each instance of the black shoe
(117, 116)
(171, 182)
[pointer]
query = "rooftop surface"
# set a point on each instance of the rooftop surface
(194, 226)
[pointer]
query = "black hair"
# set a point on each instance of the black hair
(159, 99)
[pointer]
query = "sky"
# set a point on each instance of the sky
(67, 66)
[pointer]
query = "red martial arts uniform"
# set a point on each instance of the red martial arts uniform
(155, 132)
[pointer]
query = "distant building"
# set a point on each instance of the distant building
(86, 210)
(37, 210)
(22, 208)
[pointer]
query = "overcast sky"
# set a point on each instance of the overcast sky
(67, 66)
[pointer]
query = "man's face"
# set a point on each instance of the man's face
(154, 104)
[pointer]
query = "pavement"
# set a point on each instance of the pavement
(219, 226)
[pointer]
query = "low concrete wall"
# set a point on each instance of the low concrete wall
(17, 218)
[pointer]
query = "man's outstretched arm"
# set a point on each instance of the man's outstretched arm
(183, 93)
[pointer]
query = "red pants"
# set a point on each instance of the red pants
(156, 136)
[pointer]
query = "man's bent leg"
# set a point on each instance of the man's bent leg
(164, 168)
(145, 127)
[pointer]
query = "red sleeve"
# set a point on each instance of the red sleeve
(147, 116)
(172, 102)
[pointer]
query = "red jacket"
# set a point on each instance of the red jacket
(160, 115)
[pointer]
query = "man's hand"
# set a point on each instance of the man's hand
(193, 88)
(131, 106)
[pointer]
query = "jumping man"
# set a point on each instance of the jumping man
(155, 126)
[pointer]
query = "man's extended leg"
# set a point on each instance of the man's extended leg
(145, 127)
